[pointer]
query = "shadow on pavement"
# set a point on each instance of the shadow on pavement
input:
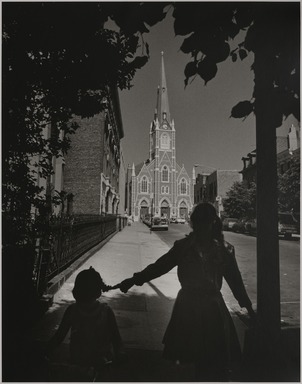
(142, 365)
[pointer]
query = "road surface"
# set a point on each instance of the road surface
(245, 250)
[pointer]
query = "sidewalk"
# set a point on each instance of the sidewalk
(142, 314)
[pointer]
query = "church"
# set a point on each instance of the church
(159, 186)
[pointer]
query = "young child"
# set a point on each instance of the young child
(94, 339)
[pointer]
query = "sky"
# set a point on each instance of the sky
(205, 132)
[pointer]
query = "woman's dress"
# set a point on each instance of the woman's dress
(201, 328)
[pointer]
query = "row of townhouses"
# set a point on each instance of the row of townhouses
(92, 173)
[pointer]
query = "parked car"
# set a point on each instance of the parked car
(239, 226)
(147, 220)
(159, 223)
(180, 220)
(251, 226)
(228, 223)
(287, 225)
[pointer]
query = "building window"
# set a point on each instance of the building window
(144, 185)
(165, 190)
(183, 187)
(165, 174)
(165, 141)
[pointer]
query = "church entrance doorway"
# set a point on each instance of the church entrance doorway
(183, 210)
(165, 209)
(144, 209)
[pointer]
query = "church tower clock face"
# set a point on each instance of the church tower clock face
(165, 141)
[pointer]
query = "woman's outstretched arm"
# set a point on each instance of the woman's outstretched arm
(163, 265)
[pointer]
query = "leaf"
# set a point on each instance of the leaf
(139, 62)
(147, 49)
(251, 38)
(189, 44)
(207, 69)
(182, 14)
(190, 69)
(244, 15)
(152, 12)
(242, 109)
(242, 53)
(232, 30)
(220, 51)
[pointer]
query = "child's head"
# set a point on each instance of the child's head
(88, 285)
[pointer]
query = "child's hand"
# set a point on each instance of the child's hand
(126, 284)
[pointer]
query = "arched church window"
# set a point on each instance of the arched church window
(165, 141)
(165, 190)
(183, 187)
(165, 174)
(144, 184)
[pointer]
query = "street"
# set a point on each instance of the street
(245, 251)
(144, 312)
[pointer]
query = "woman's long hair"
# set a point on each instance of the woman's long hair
(204, 214)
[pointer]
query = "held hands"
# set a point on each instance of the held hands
(126, 284)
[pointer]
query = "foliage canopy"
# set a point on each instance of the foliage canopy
(289, 187)
(59, 59)
(240, 201)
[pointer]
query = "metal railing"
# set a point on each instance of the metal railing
(71, 237)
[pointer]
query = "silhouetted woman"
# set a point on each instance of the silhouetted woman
(201, 329)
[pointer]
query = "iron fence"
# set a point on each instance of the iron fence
(71, 237)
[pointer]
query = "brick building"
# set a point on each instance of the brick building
(287, 147)
(91, 171)
(159, 186)
(213, 186)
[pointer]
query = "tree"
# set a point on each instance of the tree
(73, 45)
(289, 187)
(58, 61)
(240, 201)
(272, 35)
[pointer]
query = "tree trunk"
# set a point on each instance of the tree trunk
(268, 279)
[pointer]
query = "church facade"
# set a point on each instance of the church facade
(159, 186)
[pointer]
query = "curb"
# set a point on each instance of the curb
(56, 283)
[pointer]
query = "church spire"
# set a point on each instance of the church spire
(162, 108)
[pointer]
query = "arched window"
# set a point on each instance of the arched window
(165, 141)
(183, 187)
(144, 184)
(165, 174)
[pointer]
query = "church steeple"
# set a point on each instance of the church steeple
(162, 107)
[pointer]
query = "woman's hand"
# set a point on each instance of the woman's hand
(252, 314)
(126, 284)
